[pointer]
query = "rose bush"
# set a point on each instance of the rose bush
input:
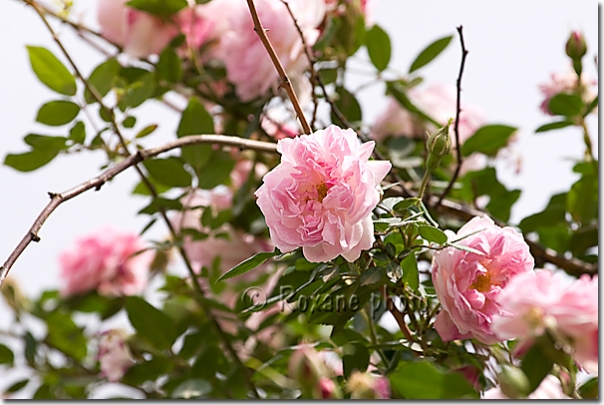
(311, 255)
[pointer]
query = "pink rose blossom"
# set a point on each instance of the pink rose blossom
(565, 83)
(321, 195)
(106, 261)
(532, 303)
(550, 388)
(114, 355)
(247, 63)
(141, 34)
(195, 25)
(467, 284)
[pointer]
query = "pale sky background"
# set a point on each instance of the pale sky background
(513, 45)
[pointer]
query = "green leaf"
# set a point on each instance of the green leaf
(348, 106)
(488, 140)
(162, 8)
(432, 234)
(169, 67)
(66, 336)
(424, 380)
(31, 345)
(138, 92)
(399, 93)
(17, 386)
(590, 390)
(169, 171)
(582, 199)
(195, 120)
(217, 170)
(485, 182)
(129, 122)
(569, 105)
(77, 133)
(45, 142)
(150, 323)
(150, 370)
(101, 79)
(378, 47)
(432, 51)
(356, 357)
(328, 76)
(553, 214)
(51, 71)
(30, 161)
(57, 113)
(248, 264)
(148, 130)
(410, 271)
(192, 388)
(536, 366)
(159, 204)
(554, 125)
(6, 355)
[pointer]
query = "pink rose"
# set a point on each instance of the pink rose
(565, 83)
(114, 355)
(247, 63)
(532, 303)
(467, 284)
(139, 33)
(550, 388)
(108, 262)
(321, 195)
(195, 25)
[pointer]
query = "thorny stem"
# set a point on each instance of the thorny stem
(285, 82)
(464, 54)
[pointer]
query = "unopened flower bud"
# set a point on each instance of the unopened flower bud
(576, 47)
(327, 389)
(306, 366)
(513, 382)
(114, 354)
(438, 144)
(13, 296)
(367, 386)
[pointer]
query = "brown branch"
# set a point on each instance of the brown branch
(285, 82)
(98, 181)
(464, 53)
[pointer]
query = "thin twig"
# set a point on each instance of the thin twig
(464, 53)
(98, 181)
(285, 82)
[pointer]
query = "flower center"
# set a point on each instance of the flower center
(321, 191)
(482, 282)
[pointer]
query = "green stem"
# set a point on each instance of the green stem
(373, 335)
